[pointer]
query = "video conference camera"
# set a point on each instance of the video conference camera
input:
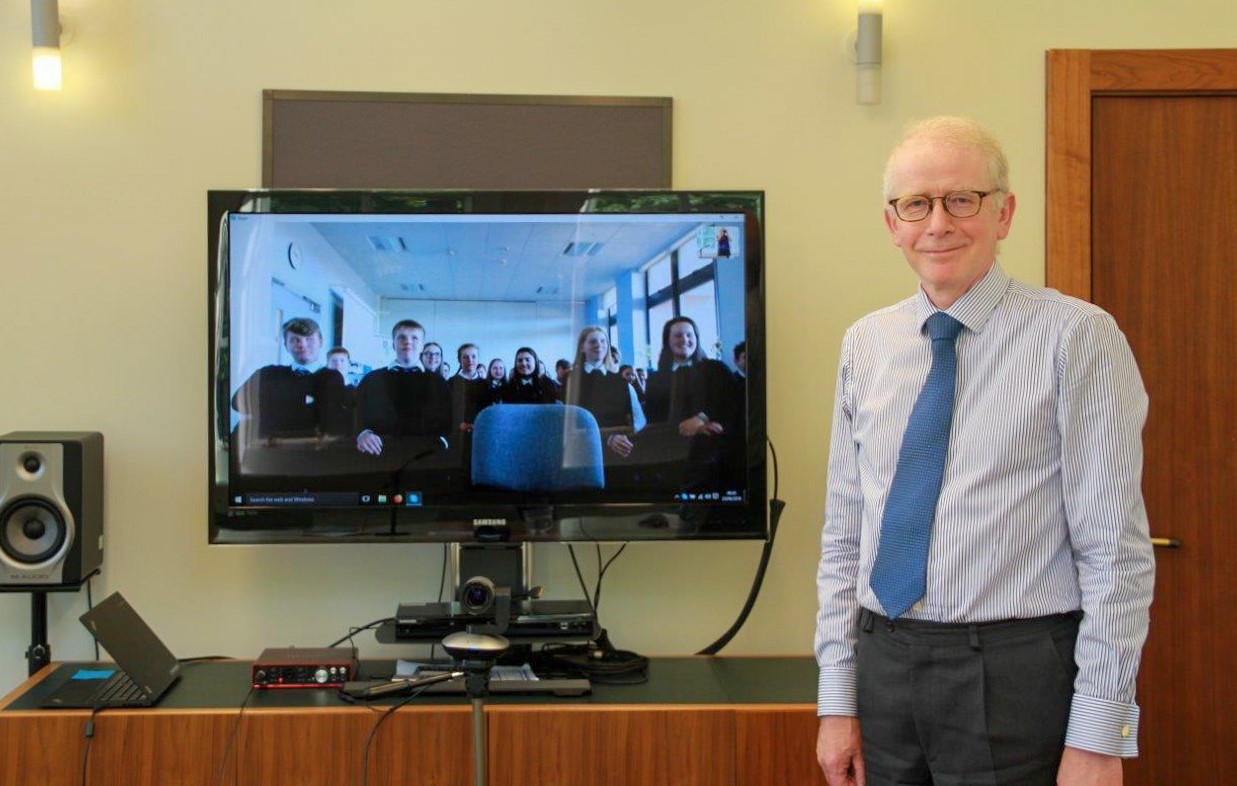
(481, 599)
(489, 605)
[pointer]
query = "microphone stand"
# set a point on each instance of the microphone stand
(475, 655)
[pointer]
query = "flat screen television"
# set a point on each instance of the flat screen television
(333, 313)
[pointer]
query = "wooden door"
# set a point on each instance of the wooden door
(1143, 222)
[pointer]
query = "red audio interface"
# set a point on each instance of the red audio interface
(303, 667)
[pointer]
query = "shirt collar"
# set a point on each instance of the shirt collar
(684, 364)
(297, 368)
(599, 367)
(975, 307)
(398, 367)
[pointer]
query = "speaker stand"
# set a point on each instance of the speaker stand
(40, 652)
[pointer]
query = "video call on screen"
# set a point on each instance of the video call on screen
(501, 289)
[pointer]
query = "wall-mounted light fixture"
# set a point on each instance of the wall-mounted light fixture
(868, 53)
(45, 23)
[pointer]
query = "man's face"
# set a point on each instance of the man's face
(407, 341)
(431, 358)
(948, 254)
(741, 361)
(303, 349)
(468, 361)
(562, 372)
(628, 374)
(641, 374)
(340, 362)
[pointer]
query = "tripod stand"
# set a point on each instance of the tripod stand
(476, 653)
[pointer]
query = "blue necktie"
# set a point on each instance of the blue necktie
(899, 576)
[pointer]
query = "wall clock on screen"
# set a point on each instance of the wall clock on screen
(294, 256)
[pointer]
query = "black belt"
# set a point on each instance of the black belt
(974, 634)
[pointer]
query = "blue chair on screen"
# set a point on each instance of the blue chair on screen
(537, 448)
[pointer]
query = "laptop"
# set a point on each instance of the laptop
(144, 669)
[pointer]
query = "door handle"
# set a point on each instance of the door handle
(1166, 543)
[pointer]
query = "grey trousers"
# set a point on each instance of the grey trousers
(965, 705)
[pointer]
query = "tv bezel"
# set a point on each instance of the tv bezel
(533, 520)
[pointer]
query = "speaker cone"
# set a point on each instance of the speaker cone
(32, 530)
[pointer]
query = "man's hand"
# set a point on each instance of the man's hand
(700, 424)
(1087, 768)
(369, 442)
(839, 749)
(620, 444)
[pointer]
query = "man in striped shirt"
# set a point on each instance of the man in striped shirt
(1018, 663)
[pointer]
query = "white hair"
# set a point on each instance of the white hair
(959, 132)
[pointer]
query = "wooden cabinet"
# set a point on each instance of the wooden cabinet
(695, 723)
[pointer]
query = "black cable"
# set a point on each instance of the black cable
(571, 549)
(597, 584)
(236, 727)
(442, 577)
(599, 660)
(594, 602)
(354, 631)
(442, 583)
(88, 732)
(601, 573)
(776, 506)
(369, 741)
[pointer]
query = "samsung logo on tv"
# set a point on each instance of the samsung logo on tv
(489, 522)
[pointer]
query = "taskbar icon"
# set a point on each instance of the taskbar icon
(702, 496)
(398, 499)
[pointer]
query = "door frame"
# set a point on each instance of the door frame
(1074, 78)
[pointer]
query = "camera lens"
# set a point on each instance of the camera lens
(477, 594)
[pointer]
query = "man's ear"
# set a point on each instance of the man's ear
(1006, 218)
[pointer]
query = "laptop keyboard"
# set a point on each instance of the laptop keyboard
(120, 691)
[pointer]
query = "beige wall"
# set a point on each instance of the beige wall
(103, 311)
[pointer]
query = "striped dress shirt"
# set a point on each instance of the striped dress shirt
(1041, 509)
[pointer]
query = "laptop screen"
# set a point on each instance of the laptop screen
(135, 647)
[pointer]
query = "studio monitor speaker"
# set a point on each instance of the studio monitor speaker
(51, 509)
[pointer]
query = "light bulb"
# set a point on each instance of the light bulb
(47, 74)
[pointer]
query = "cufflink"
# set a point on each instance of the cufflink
(1125, 730)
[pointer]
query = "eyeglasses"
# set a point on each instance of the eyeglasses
(959, 204)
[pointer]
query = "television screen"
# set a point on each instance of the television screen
(475, 366)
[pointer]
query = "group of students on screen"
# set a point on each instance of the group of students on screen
(688, 394)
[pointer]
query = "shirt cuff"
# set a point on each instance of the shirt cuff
(1103, 726)
(836, 693)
